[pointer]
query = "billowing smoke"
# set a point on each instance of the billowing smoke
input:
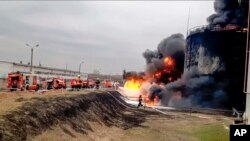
(133, 74)
(196, 87)
(173, 47)
(200, 85)
(192, 90)
(228, 12)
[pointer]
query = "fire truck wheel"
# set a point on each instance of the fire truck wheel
(27, 87)
(37, 87)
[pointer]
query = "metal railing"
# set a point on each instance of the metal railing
(203, 28)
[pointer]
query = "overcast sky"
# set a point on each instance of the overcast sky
(106, 35)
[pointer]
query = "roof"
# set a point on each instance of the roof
(41, 67)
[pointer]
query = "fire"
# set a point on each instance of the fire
(134, 87)
(158, 75)
(133, 84)
(167, 71)
(151, 103)
(169, 62)
(170, 79)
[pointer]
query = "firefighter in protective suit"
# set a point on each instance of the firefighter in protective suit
(79, 82)
(140, 102)
(97, 83)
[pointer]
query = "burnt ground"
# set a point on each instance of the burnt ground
(39, 114)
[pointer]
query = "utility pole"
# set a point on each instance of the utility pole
(31, 58)
(188, 20)
(80, 67)
(247, 73)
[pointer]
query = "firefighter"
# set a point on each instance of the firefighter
(78, 82)
(140, 102)
(116, 85)
(97, 83)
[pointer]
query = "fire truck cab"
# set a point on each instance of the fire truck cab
(56, 83)
(89, 83)
(76, 83)
(107, 83)
(22, 81)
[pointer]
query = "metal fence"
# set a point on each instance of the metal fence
(203, 28)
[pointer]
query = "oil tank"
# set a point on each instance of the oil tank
(220, 53)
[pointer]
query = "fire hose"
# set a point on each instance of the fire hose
(136, 108)
(190, 110)
(119, 101)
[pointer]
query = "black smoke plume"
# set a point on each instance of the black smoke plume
(133, 74)
(192, 90)
(229, 12)
(172, 46)
(198, 86)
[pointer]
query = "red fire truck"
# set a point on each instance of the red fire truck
(56, 83)
(76, 83)
(107, 83)
(89, 83)
(22, 81)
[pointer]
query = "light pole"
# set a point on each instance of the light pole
(80, 67)
(31, 58)
(247, 74)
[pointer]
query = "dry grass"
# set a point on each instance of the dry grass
(39, 114)
(183, 127)
(120, 126)
(10, 101)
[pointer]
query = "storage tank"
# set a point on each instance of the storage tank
(220, 52)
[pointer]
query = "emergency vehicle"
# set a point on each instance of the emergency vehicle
(22, 81)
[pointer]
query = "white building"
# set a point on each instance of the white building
(46, 72)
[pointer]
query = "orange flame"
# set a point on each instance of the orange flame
(169, 62)
(133, 84)
(153, 102)
(170, 79)
(158, 75)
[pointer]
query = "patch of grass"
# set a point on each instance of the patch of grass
(212, 132)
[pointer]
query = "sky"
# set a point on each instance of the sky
(108, 36)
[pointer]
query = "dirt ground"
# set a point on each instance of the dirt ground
(155, 127)
(95, 116)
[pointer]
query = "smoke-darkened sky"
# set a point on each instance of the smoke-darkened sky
(107, 35)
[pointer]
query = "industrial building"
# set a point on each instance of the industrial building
(47, 72)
